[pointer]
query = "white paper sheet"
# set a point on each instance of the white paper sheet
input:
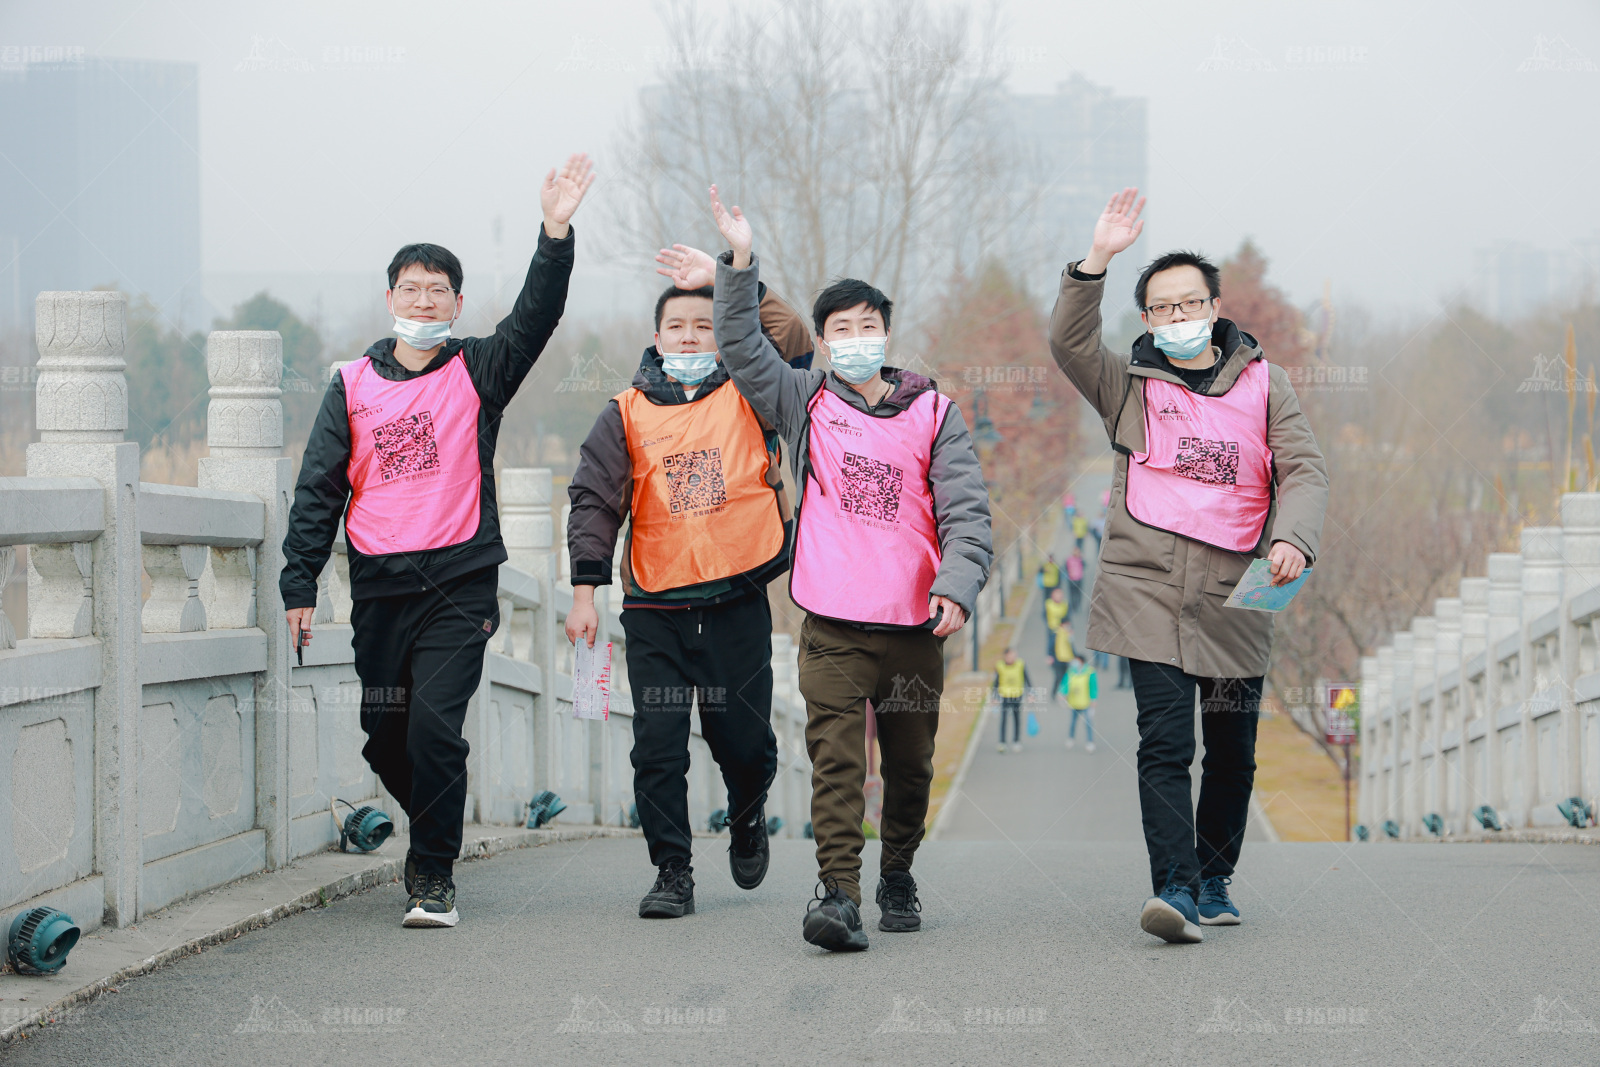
(591, 681)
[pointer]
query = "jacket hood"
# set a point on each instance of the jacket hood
(651, 380)
(905, 387)
(381, 353)
(1225, 335)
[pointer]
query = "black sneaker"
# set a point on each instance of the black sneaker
(433, 901)
(672, 897)
(897, 896)
(833, 921)
(749, 852)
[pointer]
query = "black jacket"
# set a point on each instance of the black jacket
(601, 493)
(497, 366)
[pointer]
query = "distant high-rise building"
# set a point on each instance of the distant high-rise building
(1076, 147)
(1512, 279)
(102, 186)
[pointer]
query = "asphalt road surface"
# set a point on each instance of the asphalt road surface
(1030, 952)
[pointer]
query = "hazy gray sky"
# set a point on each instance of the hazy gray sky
(1373, 144)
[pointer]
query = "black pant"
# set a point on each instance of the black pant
(1011, 706)
(420, 658)
(723, 653)
(1186, 843)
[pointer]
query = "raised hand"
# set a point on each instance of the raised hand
(735, 228)
(689, 268)
(1118, 227)
(563, 191)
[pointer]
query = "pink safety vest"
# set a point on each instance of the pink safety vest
(414, 471)
(1207, 473)
(867, 546)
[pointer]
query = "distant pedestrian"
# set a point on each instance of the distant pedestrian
(1056, 611)
(1080, 530)
(1010, 685)
(1082, 689)
(1060, 654)
(1124, 673)
(1074, 581)
(1049, 581)
(1098, 529)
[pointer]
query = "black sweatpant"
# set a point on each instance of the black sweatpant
(723, 653)
(1188, 843)
(1011, 706)
(420, 657)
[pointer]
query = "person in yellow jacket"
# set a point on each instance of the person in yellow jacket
(1081, 688)
(1057, 611)
(1011, 685)
(1049, 580)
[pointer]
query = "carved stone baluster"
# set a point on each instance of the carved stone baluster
(174, 606)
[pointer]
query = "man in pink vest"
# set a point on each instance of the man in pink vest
(892, 545)
(1216, 466)
(403, 451)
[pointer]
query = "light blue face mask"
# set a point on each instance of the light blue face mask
(1183, 340)
(857, 359)
(422, 336)
(689, 368)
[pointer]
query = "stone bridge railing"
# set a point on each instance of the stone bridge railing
(1495, 698)
(163, 739)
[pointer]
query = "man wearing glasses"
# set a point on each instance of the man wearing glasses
(1216, 466)
(403, 451)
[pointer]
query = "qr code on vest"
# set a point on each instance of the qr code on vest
(1211, 462)
(694, 480)
(870, 487)
(406, 446)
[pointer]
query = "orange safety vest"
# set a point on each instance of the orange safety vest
(705, 492)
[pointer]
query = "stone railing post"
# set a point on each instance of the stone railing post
(1369, 755)
(1389, 732)
(1424, 718)
(1541, 591)
(1447, 660)
(1474, 639)
(528, 528)
(82, 414)
(244, 438)
(1580, 555)
(1405, 698)
(1505, 616)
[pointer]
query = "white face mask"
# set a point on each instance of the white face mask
(1183, 340)
(857, 359)
(420, 335)
(689, 368)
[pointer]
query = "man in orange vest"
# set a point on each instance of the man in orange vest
(681, 455)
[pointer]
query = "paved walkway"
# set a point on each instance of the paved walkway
(1030, 953)
(1374, 954)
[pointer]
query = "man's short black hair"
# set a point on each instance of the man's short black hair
(845, 294)
(1179, 258)
(672, 292)
(433, 258)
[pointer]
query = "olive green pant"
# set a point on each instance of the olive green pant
(902, 673)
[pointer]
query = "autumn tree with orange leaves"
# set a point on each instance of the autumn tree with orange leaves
(988, 351)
